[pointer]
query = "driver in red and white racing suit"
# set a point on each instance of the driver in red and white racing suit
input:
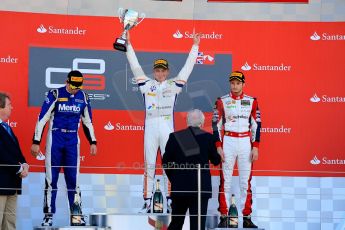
(159, 95)
(238, 114)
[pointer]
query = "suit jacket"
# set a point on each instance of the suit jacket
(10, 154)
(186, 148)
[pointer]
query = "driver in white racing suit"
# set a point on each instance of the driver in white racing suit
(159, 95)
(236, 125)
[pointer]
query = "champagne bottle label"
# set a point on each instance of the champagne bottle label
(158, 207)
(76, 220)
(233, 222)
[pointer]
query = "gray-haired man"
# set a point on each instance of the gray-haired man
(185, 149)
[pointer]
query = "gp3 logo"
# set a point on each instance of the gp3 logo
(94, 78)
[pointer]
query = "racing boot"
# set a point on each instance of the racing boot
(247, 222)
(47, 220)
(223, 221)
(146, 207)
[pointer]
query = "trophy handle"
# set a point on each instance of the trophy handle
(120, 13)
(142, 16)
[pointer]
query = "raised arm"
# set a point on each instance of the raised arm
(186, 70)
(138, 72)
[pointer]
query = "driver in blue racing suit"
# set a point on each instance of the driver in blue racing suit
(63, 108)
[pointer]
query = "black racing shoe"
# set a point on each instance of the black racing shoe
(47, 220)
(223, 222)
(82, 221)
(247, 223)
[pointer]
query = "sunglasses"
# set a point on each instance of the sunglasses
(75, 87)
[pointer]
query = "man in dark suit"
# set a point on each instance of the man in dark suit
(13, 167)
(185, 149)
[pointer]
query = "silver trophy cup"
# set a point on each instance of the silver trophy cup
(129, 18)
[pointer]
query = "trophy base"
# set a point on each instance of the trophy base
(120, 44)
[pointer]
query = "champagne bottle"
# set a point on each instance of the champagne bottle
(233, 213)
(76, 214)
(157, 199)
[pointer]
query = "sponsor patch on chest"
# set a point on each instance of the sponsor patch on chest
(151, 94)
(62, 99)
(79, 100)
(153, 88)
(245, 102)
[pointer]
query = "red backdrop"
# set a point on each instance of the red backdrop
(290, 62)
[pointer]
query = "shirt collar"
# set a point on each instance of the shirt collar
(236, 97)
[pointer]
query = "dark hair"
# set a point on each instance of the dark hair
(75, 78)
(76, 73)
(3, 97)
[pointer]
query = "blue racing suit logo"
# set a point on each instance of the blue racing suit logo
(68, 108)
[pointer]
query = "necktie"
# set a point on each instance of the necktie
(8, 129)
